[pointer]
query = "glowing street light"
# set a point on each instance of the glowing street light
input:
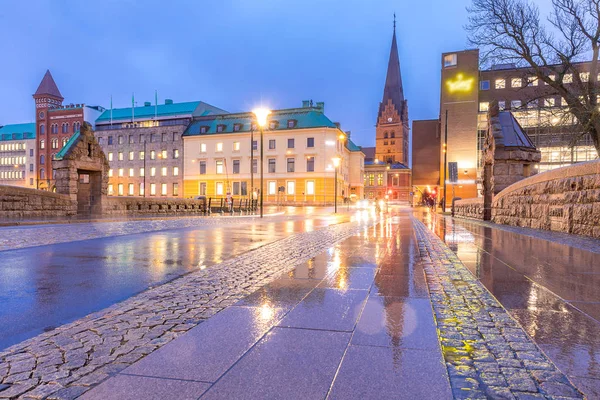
(261, 115)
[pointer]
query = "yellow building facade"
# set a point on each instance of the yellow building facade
(301, 147)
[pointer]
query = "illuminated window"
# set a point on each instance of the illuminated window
(131, 156)
(568, 78)
(532, 81)
(291, 187)
(121, 171)
(236, 146)
(163, 189)
(516, 82)
(584, 76)
(514, 104)
(120, 189)
(163, 171)
(163, 154)
(42, 144)
(175, 189)
(484, 85)
(175, 171)
(152, 155)
(142, 155)
(110, 189)
(272, 187)
(219, 147)
(142, 172)
(219, 188)
(502, 105)
(219, 164)
(450, 60)
(379, 179)
(176, 153)
(110, 173)
(153, 171)
(131, 190)
(153, 189)
(131, 172)
(484, 106)
(202, 147)
(549, 102)
(141, 189)
(120, 156)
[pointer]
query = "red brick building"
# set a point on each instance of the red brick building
(55, 124)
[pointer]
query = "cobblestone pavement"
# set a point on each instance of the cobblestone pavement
(488, 355)
(67, 361)
(18, 237)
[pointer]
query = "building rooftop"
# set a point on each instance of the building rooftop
(169, 109)
(512, 132)
(381, 164)
(48, 86)
(17, 131)
(351, 146)
(61, 154)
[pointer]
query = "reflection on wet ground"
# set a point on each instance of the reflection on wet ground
(47, 286)
(353, 322)
(550, 288)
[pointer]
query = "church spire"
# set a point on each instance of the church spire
(393, 89)
(48, 87)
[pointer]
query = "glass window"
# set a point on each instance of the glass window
(236, 166)
(152, 155)
(153, 189)
(502, 105)
(255, 145)
(291, 165)
(131, 156)
(202, 167)
(255, 166)
(163, 171)
(568, 78)
(141, 189)
(219, 147)
(484, 85)
(131, 140)
(43, 132)
(131, 190)
(550, 102)
(310, 142)
(516, 82)
(484, 106)
(110, 189)
(131, 172)
(110, 140)
(219, 188)
(142, 171)
(450, 60)
(121, 171)
(202, 147)
(272, 187)
(532, 81)
(219, 164)
(120, 156)
(271, 144)
(175, 153)
(42, 174)
(42, 144)
(236, 188)
(291, 143)
(142, 155)
(202, 189)
(310, 164)
(163, 189)
(584, 76)
(236, 146)
(110, 173)
(291, 187)
(164, 137)
(163, 154)
(120, 189)
(310, 187)
(514, 104)
(271, 165)
(175, 171)
(291, 123)
(153, 171)
(120, 139)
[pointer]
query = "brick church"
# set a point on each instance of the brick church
(387, 171)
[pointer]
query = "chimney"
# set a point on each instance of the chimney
(321, 106)
(305, 103)
(168, 101)
(337, 125)
(348, 133)
(147, 104)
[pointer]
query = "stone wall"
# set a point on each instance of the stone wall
(469, 208)
(17, 202)
(565, 199)
(142, 205)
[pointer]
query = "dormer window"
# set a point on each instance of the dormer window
(220, 128)
(273, 125)
(292, 123)
(203, 129)
(237, 127)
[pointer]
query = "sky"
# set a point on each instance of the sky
(233, 54)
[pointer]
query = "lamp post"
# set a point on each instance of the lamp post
(336, 164)
(261, 119)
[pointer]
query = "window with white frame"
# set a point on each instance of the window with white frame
(272, 187)
(500, 83)
(549, 102)
(516, 82)
(120, 189)
(484, 106)
(236, 146)
(153, 189)
(568, 78)
(131, 172)
(310, 187)
(291, 187)
(120, 171)
(514, 104)
(219, 188)
(163, 171)
(175, 171)
(131, 190)
(163, 189)
(450, 60)
(219, 147)
(202, 147)
(219, 165)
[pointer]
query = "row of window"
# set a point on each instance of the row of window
(141, 155)
(516, 104)
(237, 127)
(12, 146)
(12, 174)
(53, 143)
(164, 171)
(271, 165)
(141, 138)
(241, 188)
(518, 82)
(131, 189)
(12, 160)
(291, 144)
(385, 142)
(64, 128)
(377, 179)
(391, 135)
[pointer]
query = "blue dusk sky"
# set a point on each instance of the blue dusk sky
(234, 54)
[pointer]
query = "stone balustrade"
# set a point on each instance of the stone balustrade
(469, 208)
(18, 202)
(154, 205)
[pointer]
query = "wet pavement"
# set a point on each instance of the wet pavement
(549, 286)
(44, 287)
(353, 322)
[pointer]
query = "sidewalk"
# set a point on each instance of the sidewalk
(354, 322)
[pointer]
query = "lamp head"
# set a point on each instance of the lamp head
(261, 116)
(336, 161)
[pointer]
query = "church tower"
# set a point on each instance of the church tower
(392, 132)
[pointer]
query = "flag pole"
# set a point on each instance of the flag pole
(132, 112)
(111, 108)
(155, 107)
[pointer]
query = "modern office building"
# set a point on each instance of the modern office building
(144, 146)
(301, 147)
(465, 96)
(425, 159)
(55, 124)
(18, 154)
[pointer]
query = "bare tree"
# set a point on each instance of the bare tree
(512, 31)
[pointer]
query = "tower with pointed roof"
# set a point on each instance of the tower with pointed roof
(392, 130)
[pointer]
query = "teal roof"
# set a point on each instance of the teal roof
(190, 108)
(17, 132)
(351, 146)
(61, 154)
(309, 117)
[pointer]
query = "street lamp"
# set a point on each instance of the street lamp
(336, 164)
(261, 115)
